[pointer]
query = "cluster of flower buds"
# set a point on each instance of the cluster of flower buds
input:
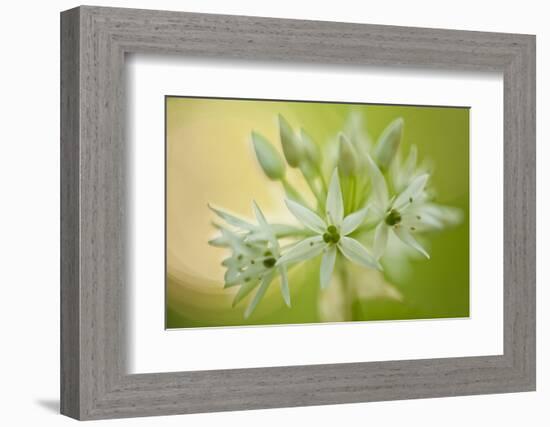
(366, 196)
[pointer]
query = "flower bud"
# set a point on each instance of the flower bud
(291, 145)
(357, 133)
(388, 143)
(347, 156)
(312, 153)
(268, 157)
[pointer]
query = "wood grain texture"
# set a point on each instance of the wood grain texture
(70, 290)
(95, 275)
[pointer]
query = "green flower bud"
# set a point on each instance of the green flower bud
(357, 133)
(311, 150)
(268, 157)
(347, 156)
(291, 145)
(308, 170)
(388, 143)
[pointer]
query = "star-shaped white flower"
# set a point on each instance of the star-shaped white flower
(331, 234)
(255, 251)
(402, 172)
(402, 215)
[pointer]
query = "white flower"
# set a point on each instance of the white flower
(253, 262)
(248, 231)
(402, 172)
(331, 234)
(402, 215)
(388, 143)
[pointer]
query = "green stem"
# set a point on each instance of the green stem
(293, 243)
(310, 172)
(292, 193)
(311, 184)
(294, 234)
(352, 191)
(365, 228)
(348, 190)
(322, 178)
(361, 192)
(348, 297)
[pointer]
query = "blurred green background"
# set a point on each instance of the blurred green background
(210, 160)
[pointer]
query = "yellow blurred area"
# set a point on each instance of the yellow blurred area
(210, 159)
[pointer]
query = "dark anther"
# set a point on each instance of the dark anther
(393, 218)
(269, 262)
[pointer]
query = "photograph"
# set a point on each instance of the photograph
(282, 212)
(285, 213)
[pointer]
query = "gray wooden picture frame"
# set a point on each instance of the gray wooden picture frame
(94, 381)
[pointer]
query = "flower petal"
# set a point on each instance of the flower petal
(285, 291)
(219, 241)
(438, 216)
(379, 187)
(357, 253)
(419, 219)
(259, 215)
(307, 217)
(230, 277)
(250, 274)
(410, 164)
(260, 235)
(411, 192)
(409, 240)
(305, 249)
(265, 228)
(232, 219)
(335, 204)
(354, 220)
(234, 240)
(327, 266)
(244, 290)
(380, 239)
(259, 295)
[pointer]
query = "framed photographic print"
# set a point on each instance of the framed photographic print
(261, 213)
(351, 212)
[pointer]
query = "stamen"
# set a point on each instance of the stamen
(331, 235)
(269, 262)
(393, 218)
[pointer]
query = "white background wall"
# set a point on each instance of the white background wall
(29, 212)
